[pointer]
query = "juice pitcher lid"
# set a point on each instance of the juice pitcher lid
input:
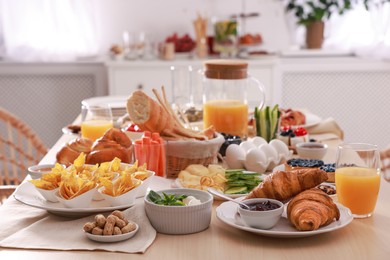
(225, 69)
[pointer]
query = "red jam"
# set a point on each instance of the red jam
(262, 206)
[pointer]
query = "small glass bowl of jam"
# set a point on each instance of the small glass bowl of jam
(263, 213)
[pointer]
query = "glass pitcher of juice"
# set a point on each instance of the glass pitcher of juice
(225, 91)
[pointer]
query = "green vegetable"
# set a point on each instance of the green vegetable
(166, 199)
(267, 122)
(240, 181)
(237, 190)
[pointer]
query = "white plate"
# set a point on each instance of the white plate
(113, 238)
(227, 213)
(311, 120)
(233, 196)
(67, 131)
(117, 104)
(27, 194)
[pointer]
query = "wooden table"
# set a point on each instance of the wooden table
(362, 239)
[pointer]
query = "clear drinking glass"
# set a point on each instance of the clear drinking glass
(95, 121)
(358, 177)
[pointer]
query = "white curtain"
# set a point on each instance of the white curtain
(48, 30)
(361, 32)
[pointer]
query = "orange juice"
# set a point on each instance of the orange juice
(227, 116)
(358, 188)
(95, 129)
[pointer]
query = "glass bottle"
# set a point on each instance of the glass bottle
(225, 88)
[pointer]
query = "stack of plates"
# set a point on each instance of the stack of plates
(117, 104)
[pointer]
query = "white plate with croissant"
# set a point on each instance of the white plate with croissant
(227, 213)
(309, 212)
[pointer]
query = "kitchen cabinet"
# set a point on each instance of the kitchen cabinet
(355, 91)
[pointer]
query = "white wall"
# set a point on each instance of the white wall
(162, 18)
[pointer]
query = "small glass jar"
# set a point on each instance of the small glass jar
(225, 88)
(226, 37)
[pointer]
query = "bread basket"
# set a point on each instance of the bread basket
(180, 154)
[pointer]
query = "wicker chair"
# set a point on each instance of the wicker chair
(20, 148)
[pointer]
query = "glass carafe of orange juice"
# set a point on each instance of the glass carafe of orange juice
(225, 96)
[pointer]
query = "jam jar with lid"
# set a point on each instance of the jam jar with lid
(225, 90)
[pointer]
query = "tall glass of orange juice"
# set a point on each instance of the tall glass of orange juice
(358, 177)
(95, 121)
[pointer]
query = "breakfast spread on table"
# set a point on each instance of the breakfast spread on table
(253, 163)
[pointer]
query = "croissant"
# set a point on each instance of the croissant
(282, 185)
(70, 151)
(312, 209)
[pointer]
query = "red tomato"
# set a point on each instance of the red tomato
(285, 128)
(300, 131)
(133, 128)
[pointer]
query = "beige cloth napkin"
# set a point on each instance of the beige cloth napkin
(327, 129)
(27, 227)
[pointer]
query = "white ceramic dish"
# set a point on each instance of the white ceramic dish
(27, 194)
(266, 219)
(128, 197)
(49, 195)
(227, 213)
(114, 238)
(81, 201)
(180, 220)
(311, 150)
(36, 171)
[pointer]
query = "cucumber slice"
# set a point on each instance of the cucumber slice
(236, 190)
(274, 121)
(263, 122)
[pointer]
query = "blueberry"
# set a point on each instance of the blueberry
(297, 162)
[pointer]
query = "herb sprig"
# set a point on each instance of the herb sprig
(167, 199)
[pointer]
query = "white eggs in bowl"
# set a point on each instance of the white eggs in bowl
(257, 154)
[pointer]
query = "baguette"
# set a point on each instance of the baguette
(158, 117)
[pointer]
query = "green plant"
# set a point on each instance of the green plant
(309, 11)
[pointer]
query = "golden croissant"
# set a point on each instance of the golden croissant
(312, 209)
(282, 185)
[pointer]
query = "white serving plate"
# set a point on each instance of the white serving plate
(27, 194)
(113, 238)
(116, 103)
(227, 213)
(311, 119)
